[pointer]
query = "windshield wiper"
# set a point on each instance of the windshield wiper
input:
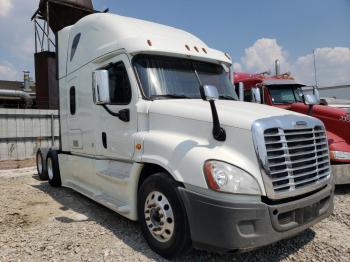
(227, 98)
(170, 96)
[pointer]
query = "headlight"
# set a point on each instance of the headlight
(224, 177)
(339, 155)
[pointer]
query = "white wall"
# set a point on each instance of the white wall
(22, 131)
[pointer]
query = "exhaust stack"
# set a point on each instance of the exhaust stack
(277, 67)
(26, 81)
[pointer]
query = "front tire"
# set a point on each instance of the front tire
(53, 170)
(162, 216)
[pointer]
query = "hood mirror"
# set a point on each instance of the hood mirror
(241, 91)
(256, 96)
(210, 93)
(311, 99)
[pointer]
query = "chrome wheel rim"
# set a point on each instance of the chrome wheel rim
(159, 216)
(40, 164)
(49, 168)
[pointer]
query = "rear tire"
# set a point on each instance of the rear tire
(162, 216)
(40, 166)
(53, 170)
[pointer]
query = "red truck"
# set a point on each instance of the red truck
(281, 90)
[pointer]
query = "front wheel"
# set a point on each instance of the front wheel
(162, 216)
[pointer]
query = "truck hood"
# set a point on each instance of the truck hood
(231, 113)
(336, 120)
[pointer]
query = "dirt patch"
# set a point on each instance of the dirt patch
(13, 164)
(38, 222)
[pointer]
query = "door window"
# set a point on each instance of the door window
(119, 84)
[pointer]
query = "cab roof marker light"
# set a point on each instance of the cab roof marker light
(204, 50)
(187, 47)
(196, 48)
(149, 42)
(228, 56)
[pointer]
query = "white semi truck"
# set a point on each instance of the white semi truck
(151, 127)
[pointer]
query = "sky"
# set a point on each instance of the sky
(254, 32)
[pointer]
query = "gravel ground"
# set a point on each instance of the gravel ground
(12, 164)
(39, 223)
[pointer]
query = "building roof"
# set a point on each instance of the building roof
(13, 85)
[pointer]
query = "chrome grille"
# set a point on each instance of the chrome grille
(296, 157)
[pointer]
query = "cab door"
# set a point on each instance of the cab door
(118, 119)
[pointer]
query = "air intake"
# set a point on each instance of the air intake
(293, 153)
(296, 157)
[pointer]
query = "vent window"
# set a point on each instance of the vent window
(74, 45)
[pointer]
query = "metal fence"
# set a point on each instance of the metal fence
(23, 131)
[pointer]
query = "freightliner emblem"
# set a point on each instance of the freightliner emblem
(300, 124)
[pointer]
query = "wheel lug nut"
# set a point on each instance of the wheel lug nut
(161, 223)
(147, 211)
(161, 215)
(148, 219)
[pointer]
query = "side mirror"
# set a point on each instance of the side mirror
(241, 91)
(210, 92)
(100, 87)
(311, 99)
(256, 96)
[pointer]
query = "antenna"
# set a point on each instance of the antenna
(315, 69)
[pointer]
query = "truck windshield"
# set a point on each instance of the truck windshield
(170, 78)
(285, 94)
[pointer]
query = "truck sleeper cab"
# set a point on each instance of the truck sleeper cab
(138, 137)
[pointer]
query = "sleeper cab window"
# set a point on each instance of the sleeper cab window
(72, 100)
(74, 45)
(119, 84)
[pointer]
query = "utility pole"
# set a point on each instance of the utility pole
(315, 69)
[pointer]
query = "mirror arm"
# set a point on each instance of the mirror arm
(218, 132)
(123, 115)
(309, 111)
(202, 93)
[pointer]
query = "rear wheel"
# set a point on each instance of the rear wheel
(162, 216)
(53, 170)
(40, 165)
